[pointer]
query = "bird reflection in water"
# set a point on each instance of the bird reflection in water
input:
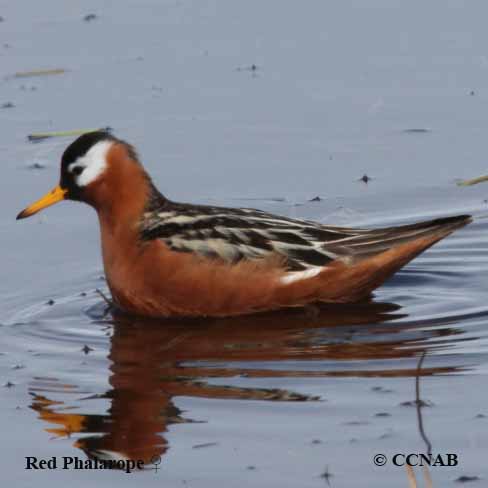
(153, 362)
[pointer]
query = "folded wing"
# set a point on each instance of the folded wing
(232, 234)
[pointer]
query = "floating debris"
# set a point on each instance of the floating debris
(316, 441)
(9, 384)
(253, 68)
(261, 199)
(382, 414)
(206, 444)
(417, 131)
(86, 349)
(326, 475)
(36, 166)
(415, 403)
(473, 181)
(472, 93)
(39, 72)
(8, 105)
(365, 179)
(90, 17)
(18, 366)
(40, 136)
(480, 416)
(2, 19)
(315, 199)
(251, 468)
(356, 422)
(467, 479)
(381, 389)
(83, 294)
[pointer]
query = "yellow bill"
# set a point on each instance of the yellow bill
(54, 196)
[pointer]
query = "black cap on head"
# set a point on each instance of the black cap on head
(82, 145)
(77, 149)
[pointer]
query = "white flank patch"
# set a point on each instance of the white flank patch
(94, 163)
(301, 275)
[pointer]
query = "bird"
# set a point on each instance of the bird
(164, 259)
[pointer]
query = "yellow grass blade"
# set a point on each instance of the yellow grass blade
(39, 136)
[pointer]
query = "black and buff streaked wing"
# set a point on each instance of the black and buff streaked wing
(233, 234)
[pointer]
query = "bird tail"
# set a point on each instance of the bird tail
(370, 262)
(387, 251)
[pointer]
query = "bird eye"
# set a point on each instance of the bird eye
(77, 170)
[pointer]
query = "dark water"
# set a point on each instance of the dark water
(278, 399)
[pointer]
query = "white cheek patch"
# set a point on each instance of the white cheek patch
(94, 163)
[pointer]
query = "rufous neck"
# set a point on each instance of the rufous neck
(122, 195)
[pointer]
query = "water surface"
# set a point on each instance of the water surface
(339, 90)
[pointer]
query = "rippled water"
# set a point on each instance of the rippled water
(278, 398)
(293, 399)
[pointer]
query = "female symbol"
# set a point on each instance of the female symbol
(156, 460)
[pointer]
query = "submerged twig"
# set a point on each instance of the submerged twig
(419, 404)
(105, 298)
(412, 481)
(111, 307)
